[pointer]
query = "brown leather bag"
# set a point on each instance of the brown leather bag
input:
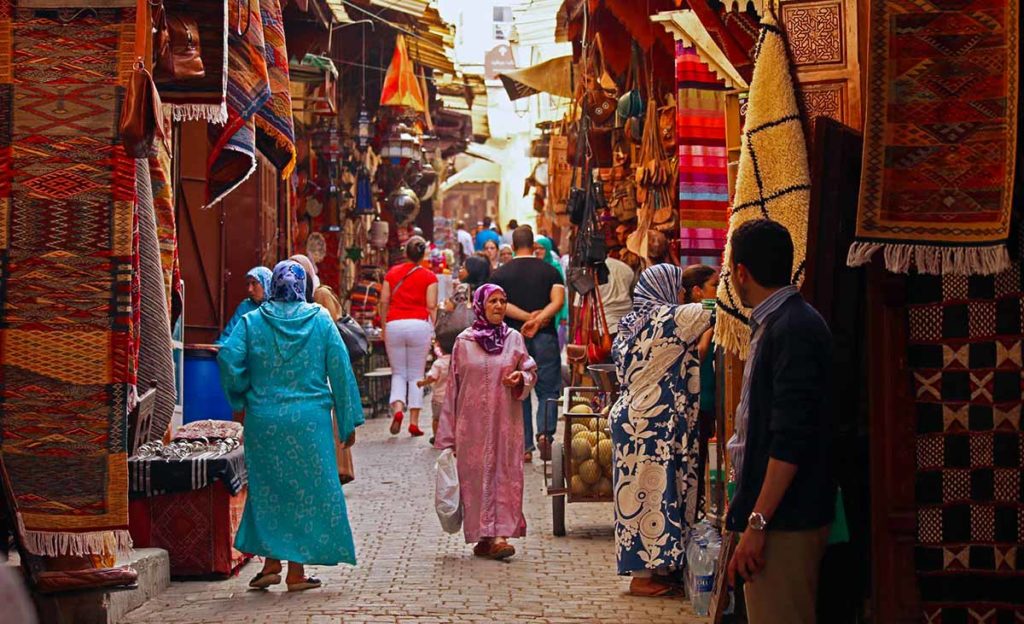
(141, 121)
(178, 53)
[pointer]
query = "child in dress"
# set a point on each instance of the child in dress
(437, 378)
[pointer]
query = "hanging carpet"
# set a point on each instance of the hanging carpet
(703, 158)
(65, 300)
(275, 134)
(155, 360)
(203, 98)
(773, 181)
(232, 155)
(940, 136)
(163, 207)
(965, 356)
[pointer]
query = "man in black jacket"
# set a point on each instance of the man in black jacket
(785, 495)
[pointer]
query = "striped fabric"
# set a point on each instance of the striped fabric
(703, 159)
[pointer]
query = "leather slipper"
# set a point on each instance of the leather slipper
(499, 552)
(310, 582)
(263, 581)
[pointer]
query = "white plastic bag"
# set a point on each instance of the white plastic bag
(446, 493)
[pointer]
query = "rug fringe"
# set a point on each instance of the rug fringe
(60, 543)
(212, 113)
(729, 338)
(932, 260)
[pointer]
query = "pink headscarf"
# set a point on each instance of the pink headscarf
(491, 338)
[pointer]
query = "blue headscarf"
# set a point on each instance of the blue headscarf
(658, 286)
(289, 282)
(262, 275)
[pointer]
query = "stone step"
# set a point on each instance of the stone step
(109, 606)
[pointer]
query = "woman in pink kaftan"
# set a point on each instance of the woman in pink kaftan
(482, 422)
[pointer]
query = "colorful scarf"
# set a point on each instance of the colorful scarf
(490, 337)
(658, 286)
(263, 275)
(289, 282)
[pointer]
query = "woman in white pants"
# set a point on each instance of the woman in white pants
(408, 305)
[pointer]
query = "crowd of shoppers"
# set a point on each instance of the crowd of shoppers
(300, 396)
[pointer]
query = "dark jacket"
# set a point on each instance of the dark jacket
(790, 419)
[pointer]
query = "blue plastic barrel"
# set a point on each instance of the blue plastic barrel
(204, 397)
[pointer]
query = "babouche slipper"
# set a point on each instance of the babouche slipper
(263, 580)
(310, 582)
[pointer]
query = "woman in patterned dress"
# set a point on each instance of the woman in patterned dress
(654, 429)
(287, 367)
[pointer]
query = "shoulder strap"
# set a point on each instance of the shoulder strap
(405, 277)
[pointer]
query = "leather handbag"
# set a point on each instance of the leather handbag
(142, 121)
(343, 456)
(354, 337)
(178, 53)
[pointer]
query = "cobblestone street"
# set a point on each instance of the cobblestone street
(411, 571)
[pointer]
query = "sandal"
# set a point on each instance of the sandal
(264, 580)
(482, 549)
(310, 582)
(653, 589)
(500, 551)
(396, 422)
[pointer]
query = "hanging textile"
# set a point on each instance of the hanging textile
(774, 179)
(66, 303)
(703, 159)
(163, 207)
(232, 155)
(940, 136)
(965, 356)
(275, 134)
(155, 359)
(401, 88)
(203, 99)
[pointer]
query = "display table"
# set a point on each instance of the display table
(191, 508)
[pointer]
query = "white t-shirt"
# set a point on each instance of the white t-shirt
(466, 240)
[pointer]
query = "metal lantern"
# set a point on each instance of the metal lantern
(402, 145)
(364, 127)
(404, 205)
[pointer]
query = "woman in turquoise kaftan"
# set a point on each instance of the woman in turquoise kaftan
(258, 282)
(285, 364)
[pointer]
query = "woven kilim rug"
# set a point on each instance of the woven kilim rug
(232, 152)
(703, 159)
(203, 99)
(155, 360)
(65, 299)
(773, 181)
(163, 206)
(940, 136)
(275, 133)
(965, 356)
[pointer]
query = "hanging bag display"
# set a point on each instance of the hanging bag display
(176, 43)
(142, 121)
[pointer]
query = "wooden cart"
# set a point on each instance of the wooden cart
(581, 464)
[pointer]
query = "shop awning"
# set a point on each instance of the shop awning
(553, 76)
(433, 43)
(480, 172)
(409, 7)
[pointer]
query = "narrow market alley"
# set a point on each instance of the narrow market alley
(411, 571)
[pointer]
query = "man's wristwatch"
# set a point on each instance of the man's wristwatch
(757, 522)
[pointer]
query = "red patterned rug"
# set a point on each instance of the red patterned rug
(66, 303)
(940, 136)
(965, 355)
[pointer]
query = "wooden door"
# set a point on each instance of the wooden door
(824, 47)
(893, 460)
(218, 245)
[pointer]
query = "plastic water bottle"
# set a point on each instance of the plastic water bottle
(702, 557)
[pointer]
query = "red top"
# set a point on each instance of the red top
(410, 301)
